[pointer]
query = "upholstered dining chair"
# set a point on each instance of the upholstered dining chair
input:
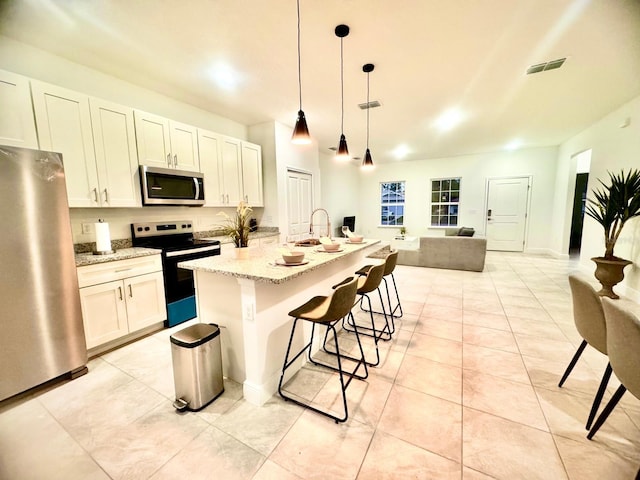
(326, 311)
(623, 347)
(588, 317)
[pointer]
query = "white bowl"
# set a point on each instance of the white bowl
(356, 239)
(293, 257)
(331, 247)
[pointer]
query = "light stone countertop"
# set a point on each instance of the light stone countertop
(261, 265)
(83, 259)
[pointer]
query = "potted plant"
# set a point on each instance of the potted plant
(613, 207)
(403, 231)
(237, 227)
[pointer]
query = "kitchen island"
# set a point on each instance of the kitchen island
(250, 299)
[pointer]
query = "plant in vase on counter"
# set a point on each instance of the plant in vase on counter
(237, 227)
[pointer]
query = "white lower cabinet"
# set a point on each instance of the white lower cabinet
(121, 297)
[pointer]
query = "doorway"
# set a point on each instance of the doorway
(299, 203)
(507, 206)
(583, 164)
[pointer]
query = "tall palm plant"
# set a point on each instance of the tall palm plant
(615, 205)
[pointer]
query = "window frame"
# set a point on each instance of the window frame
(401, 204)
(448, 204)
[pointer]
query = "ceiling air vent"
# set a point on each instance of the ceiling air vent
(543, 67)
(371, 104)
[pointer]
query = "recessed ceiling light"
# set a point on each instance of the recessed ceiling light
(225, 76)
(513, 145)
(449, 119)
(400, 151)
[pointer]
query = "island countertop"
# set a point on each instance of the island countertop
(261, 265)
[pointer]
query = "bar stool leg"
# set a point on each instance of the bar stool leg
(392, 309)
(343, 384)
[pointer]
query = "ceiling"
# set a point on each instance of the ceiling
(430, 57)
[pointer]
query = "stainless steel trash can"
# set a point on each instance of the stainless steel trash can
(197, 366)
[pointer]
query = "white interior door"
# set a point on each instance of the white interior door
(299, 203)
(507, 202)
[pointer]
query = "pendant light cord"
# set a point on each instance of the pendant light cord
(341, 88)
(368, 108)
(299, 67)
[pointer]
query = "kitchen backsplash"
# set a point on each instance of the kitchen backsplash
(205, 221)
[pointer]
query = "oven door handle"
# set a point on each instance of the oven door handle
(177, 253)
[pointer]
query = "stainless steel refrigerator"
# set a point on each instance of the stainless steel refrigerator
(41, 330)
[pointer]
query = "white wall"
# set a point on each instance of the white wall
(474, 170)
(340, 190)
(613, 148)
(278, 155)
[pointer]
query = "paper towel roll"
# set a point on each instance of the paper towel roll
(103, 238)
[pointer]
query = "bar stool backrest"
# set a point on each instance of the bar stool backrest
(343, 299)
(588, 314)
(373, 279)
(390, 263)
(623, 344)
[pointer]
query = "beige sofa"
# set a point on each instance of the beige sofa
(455, 253)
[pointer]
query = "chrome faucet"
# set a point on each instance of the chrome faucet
(328, 222)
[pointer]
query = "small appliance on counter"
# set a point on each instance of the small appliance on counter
(178, 244)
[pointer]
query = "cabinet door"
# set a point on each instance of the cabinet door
(145, 300)
(116, 155)
(152, 139)
(210, 166)
(184, 147)
(231, 174)
(104, 312)
(64, 125)
(17, 126)
(252, 174)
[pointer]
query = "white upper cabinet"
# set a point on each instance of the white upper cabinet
(165, 143)
(184, 146)
(17, 126)
(114, 137)
(252, 174)
(64, 125)
(210, 166)
(231, 174)
(232, 170)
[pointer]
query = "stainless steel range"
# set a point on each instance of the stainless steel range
(178, 244)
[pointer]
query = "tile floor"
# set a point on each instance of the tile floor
(466, 390)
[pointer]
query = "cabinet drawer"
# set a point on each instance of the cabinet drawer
(118, 270)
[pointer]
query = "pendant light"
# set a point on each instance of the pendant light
(300, 131)
(343, 151)
(367, 163)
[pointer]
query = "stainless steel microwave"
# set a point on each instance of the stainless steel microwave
(166, 186)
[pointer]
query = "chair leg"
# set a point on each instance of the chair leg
(572, 364)
(348, 357)
(343, 384)
(374, 335)
(398, 305)
(392, 310)
(599, 395)
(607, 411)
(386, 331)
